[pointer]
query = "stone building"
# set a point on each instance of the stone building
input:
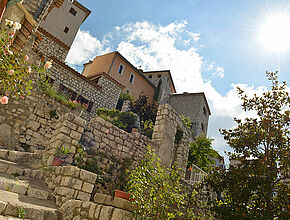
(165, 80)
(119, 68)
(194, 106)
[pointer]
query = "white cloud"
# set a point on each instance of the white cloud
(154, 47)
(84, 48)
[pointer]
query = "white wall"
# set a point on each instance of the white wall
(59, 18)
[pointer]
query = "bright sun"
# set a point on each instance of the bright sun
(275, 33)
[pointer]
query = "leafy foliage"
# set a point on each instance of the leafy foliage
(62, 152)
(53, 93)
(16, 72)
(156, 191)
(145, 110)
(123, 97)
(147, 128)
(187, 121)
(258, 187)
(123, 120)
(201, 152)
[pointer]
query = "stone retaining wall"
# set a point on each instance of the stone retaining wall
(70, 182)
(106, 208)
(29, 123)
(166, 124)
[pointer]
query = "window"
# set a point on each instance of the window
(150, 76)
(73, 11)
(202, 127)
(204, 110)
(132, 77)
(121, 68)
(66, 30)
(159, 76)
(127, 91)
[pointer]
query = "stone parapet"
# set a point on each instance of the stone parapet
(166, 125)
(70, 182)
(74, 209)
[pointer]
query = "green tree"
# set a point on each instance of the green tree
(156, 191)
(201, 152)
(257, 188)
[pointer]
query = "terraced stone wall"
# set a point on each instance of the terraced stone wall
(103, 207)
(28, 124)
(70, 182)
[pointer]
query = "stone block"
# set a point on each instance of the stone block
(106, 213)
(20, 189)
(2, 207)
(122, 204)
(34, 125)
(71, 182)
(71, 171)
(75, 135)
(38, 194)
(64, 130)
(88, 176)
(87, 187)
(64, 191)
(103, 199)
(79, 121)
(84, 196)
(121, 214)
(92, 210)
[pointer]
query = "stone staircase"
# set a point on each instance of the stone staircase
(22, 188)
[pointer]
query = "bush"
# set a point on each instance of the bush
(16, 73)
(123, 97)
(156, 191)
(123, 120)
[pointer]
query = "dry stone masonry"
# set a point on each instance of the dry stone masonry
(166, 124)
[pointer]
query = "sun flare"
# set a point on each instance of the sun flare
(275, 33)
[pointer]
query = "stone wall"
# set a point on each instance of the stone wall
(166, 124)
(70, 182)
(113, 151)
(105, 207)
(51, 46)
(28, 124)
(194, 106)
(103, 94)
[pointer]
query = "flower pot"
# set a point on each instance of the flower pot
(134, 130)
(123, 195)
(57, 162)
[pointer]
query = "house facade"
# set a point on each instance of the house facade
(166, 84)
(119, 68)
(194, 106)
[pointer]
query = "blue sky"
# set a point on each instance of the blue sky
(209, 45)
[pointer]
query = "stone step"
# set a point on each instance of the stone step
(9, 218)
(16, 170)
(29, 159)
(26, 186)
(11, 204)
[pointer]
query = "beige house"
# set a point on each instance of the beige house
(120, 69)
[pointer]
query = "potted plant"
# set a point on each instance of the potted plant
(61, 153)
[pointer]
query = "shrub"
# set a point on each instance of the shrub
(156, 191)
(16, 72)
(123, 97)
(123, 120)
